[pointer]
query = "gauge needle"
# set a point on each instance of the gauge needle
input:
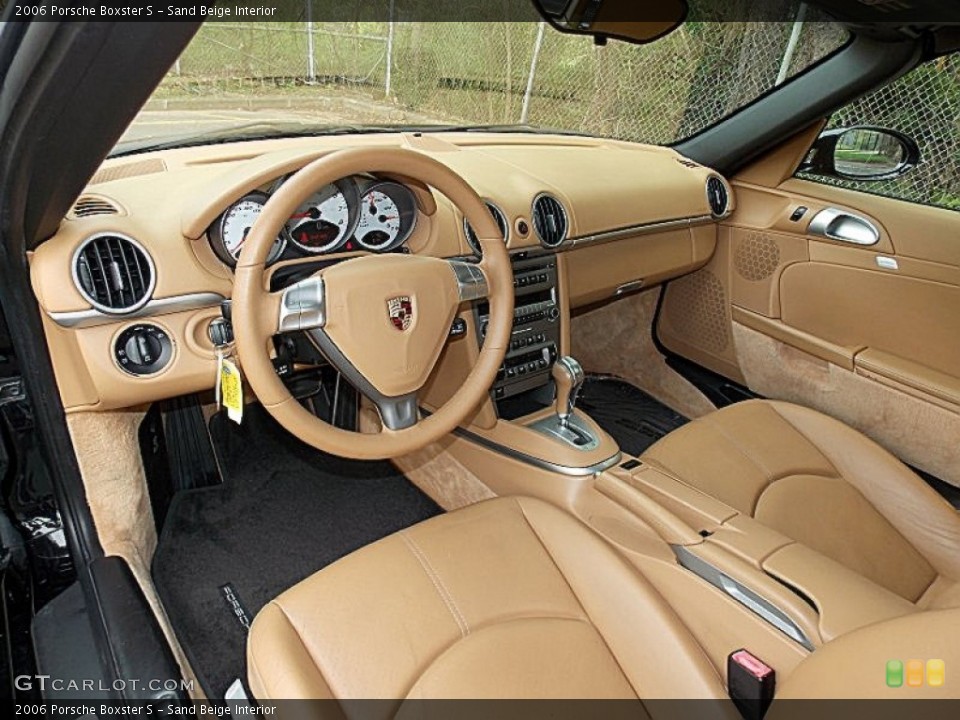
(246, 231)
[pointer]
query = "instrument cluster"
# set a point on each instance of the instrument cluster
(352, 214)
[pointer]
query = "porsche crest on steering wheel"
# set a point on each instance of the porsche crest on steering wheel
(400, 312)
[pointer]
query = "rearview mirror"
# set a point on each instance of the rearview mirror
(862, 153)
(621, 19)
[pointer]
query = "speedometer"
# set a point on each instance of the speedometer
(324, 221)
(229, 232)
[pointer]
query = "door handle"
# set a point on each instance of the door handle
(841, 225)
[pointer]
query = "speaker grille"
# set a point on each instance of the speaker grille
(698, 310)
(757, 257)
(131, 169)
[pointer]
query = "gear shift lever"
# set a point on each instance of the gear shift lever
(564, 426)
(569, 377)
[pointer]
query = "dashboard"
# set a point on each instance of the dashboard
(131, 286)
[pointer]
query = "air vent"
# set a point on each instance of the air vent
(549, 220)
(717, 196)
(501, 223)
(89, 205)
(114, 273)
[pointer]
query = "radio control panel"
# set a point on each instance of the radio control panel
(535, 339)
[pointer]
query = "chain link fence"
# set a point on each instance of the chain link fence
(527, 73)
(507, 73)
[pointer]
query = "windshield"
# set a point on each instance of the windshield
(251, 80)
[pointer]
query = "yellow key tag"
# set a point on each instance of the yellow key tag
(231, 390)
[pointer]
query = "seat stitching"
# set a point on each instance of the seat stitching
(303, 644)
(586, 615)
(770, 476)
(438, 585)
(737, 446)
(810, 441)
(650, 587)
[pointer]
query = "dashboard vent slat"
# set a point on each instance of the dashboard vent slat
(91, 205)
(717, 196)
(502, 224)
(550, 221)
(114, 273)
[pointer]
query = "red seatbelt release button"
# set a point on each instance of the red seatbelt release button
(750, 683)
(752, 664)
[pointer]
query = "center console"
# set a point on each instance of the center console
(535, 341)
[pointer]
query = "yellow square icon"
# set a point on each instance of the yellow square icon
(914, 673)
(936, 673)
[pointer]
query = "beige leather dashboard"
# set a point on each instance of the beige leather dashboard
(636, 215)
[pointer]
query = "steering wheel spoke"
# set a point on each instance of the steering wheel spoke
(471, 280)
(303, 306)
(396, 413)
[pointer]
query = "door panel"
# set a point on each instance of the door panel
(868, 334)
(875, 309)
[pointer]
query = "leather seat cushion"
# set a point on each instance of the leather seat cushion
(822, 484)
(507, 598)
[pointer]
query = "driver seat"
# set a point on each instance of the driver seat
(512, 598)
(509, 598)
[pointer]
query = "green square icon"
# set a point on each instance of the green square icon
(894, 673)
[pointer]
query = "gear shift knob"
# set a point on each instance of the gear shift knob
(569, 377)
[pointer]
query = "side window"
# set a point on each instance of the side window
(923, 110)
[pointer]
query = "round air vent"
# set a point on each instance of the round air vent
(549, 220)
(717, 196)
(114, 273)
(501, 223)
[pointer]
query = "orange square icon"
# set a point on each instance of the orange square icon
(936, 673)
(914, 673)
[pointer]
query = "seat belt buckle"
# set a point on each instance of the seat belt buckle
(750, 684)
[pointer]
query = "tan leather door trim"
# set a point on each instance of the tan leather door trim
(818, 347)
(899, 371)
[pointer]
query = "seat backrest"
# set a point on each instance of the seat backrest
(854, 666)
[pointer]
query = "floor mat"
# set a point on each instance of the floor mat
(633, 418)
(283, 512)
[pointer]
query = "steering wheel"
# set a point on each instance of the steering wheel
(380, 320)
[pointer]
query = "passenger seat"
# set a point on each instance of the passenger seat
(827, 486)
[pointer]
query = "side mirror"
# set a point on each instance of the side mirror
(862, 153)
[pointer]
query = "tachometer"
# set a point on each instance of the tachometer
(324, 222)
(387, 215)
(229, 232)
